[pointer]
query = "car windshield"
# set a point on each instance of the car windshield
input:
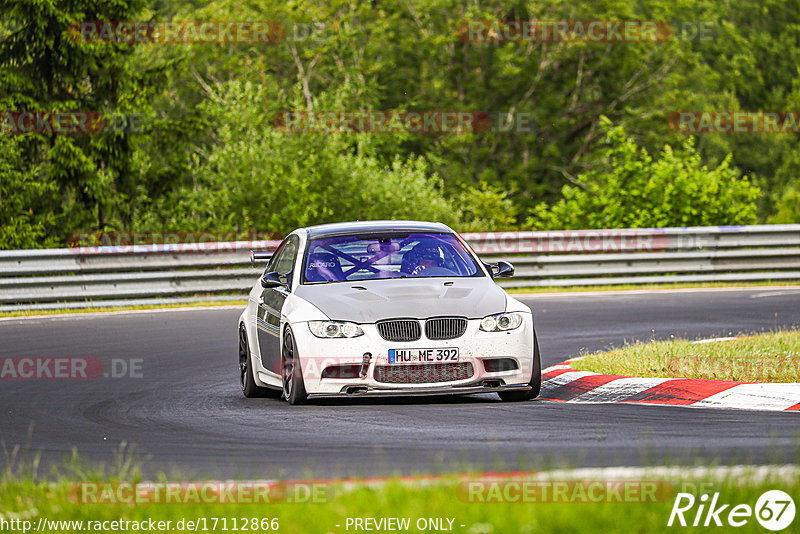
(348, 258)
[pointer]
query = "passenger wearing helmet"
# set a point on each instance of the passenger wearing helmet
(424, 256)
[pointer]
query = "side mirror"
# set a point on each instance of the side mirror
(504, 269)
(259, 255)
(271, 279)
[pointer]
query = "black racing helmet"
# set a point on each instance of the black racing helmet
(425, 250)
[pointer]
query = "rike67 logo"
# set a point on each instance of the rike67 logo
(774, 510)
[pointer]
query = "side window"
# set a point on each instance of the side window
(274, 259)
(284, 260)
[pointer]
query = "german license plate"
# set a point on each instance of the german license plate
(423, 355)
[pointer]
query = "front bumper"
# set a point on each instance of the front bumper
(422, 391)
(475, 346)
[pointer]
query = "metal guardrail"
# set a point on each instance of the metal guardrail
(93, 276)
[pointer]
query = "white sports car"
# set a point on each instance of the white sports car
(384, 308)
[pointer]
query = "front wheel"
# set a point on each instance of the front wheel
(535, 383)
(294, 389)
(248, 382)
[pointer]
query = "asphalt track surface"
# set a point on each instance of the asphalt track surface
(186, 413)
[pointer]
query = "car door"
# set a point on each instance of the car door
(270, 304)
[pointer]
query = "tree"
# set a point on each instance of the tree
(635, 190)
(25, 221)
(788, 206)
(255, 177)
(44, 69)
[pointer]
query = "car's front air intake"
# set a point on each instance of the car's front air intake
(423, 373)
(497, 365)
(440, 328)
(400, 330)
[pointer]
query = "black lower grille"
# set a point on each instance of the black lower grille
(341, 371)
(445, 327)
(496, 365)
(423, 373)
(400, 330)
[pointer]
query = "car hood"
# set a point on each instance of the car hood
(367, 301)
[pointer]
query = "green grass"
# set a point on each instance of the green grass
(770, 357)
(24, 497)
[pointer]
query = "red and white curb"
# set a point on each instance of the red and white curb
(563, 383)
(786, 473)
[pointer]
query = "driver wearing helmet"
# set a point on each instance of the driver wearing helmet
(424, 256)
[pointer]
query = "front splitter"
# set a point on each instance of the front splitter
(381, 392)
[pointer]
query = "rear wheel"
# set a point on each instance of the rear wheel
(294, 389)
(535, 383)
(249, 387)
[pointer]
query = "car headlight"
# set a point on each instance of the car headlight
(501, 322)
(334, 329)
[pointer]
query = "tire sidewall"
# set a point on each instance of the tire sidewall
(249, 388)
(535, 382)
(298, 395)
(536, 375)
